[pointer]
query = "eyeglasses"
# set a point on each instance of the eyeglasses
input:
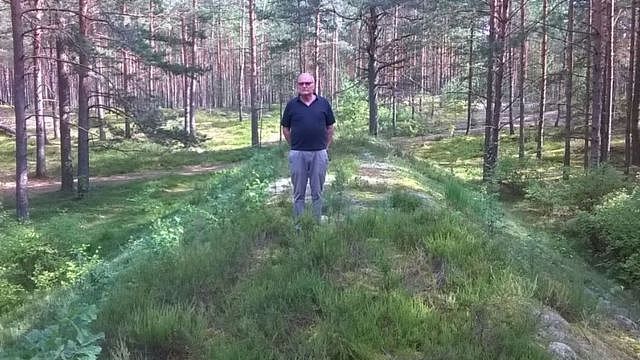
(305, 83)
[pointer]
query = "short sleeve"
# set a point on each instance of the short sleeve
(330, 117)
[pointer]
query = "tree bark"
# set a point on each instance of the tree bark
(372, 71)
(489, 162)
(255, 140)
(543, 83)
(38, 95)
(630, 87)
(125, 86)
(635, 131)
(19, 104)
(192, 77)
(64, 110)
(522, 72)
(609, 91)
(83, 101)
(597, 81)
(470, 80)
(568, 91)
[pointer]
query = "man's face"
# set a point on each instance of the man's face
(305, 84)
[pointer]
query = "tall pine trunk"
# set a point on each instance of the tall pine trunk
(635, 131)
(489, 162)
(19, 104)
(38, 95)
(372, 71)
(64, 110)
(470, 80)
(253, 78)
(597, 75)
(568, 91)
(609, 90)
(522, 72)
(543, 83)
(630, 87)
(83, 100)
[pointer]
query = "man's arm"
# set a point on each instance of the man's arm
(286, 131)
(329, 135)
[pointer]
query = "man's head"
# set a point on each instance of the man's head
(306, 84)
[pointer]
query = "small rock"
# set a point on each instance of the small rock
(552, 325)
(625, 323)
(560, 351)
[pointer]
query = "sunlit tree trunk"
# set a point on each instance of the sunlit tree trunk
(372, 71)
(489, 162)
(522, 74)
(635, 132)
(64, 111)
(19, 104)
(597, 80)
(125, 85)
(38, 95)
(543, 82)
(568, 91)
(470, 80)
(253, 78)
(630, 87)
(499, 12)
(609, 90)
(83, 100)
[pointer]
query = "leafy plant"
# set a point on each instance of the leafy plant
(612, 233)
(71, 337)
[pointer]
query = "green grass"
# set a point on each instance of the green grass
(227, 140)
(429, 268)
(463, 155)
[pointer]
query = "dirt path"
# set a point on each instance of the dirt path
(38, 186)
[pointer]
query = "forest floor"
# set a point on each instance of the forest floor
(394, 246)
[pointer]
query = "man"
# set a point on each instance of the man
(307, 124)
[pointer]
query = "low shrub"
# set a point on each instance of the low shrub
(578, 193)
(612, 233)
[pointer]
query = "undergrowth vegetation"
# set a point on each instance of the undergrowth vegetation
(413, 261)
(596, 210)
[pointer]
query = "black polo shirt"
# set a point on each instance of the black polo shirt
(308, 124)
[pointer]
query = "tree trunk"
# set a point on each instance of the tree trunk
(630, 87)
(609, 90)
(38, 95)
(186, 98)
(489, 161)
(372, 71)
(19, 104)
(635, 131)
(597, 80)
(568, 92)
(543, 82)
(83, 101)
(253, 79)
(510, 70)
(64, 110)
(394, 98)
(100, 103)
(522, 72)
(316, 50)
(501, 11)
(125, 86)
(470, 80)
(192, 77)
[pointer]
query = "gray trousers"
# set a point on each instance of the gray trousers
(308, 166)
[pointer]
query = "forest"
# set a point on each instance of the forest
(482, 201)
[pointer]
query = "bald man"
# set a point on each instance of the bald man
(307, 124)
